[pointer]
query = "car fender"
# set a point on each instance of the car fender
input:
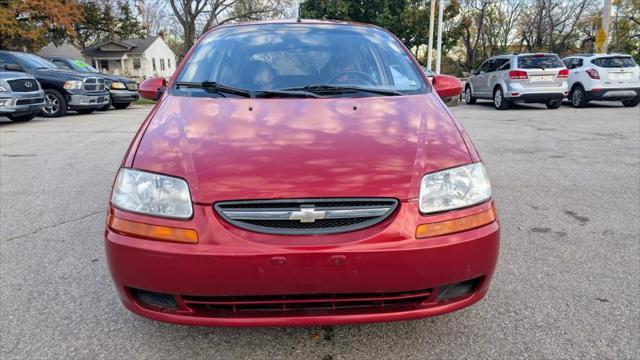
(499, 83)
(469, 84)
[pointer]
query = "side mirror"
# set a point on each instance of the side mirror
(152, 88)
(475, 72)
(447, 87)
(13, 67)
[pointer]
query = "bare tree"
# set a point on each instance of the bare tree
(552, 25)
(198, 16)
(154, 15)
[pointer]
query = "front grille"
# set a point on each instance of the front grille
(314, 304)
(94, 84)
(306, 216)
(23, 85)
(30, 101)
(132, 86)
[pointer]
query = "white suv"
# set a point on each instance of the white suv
(513, 78)
(603, 77)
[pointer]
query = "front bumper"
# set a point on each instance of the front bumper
(230, 263)
(79, 101)
(22, 102)
(23, 105)
(123, 96)
(614, 94)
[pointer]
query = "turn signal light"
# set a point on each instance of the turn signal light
(456, 225)
(153, 232)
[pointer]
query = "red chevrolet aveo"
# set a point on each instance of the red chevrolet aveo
(300, 173)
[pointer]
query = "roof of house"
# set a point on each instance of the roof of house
(131, 46)
(65, 50)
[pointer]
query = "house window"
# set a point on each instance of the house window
(153, 64)
(162, 64)
(169, 64)
(136, 63)
(104, 64)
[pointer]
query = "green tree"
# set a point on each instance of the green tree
(407, 19)
(104, 20)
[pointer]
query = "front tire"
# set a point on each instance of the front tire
(121, 106)
(578, 97)
(631, 102)
(85, 111)
(553, 104)
(23, 117)
(56, 104)
(468, 97)
(499, 102)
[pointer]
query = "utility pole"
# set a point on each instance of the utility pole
(606, 15)
(439, 49)
(432, 20)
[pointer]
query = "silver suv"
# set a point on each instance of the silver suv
(21, 97)
(530, 78)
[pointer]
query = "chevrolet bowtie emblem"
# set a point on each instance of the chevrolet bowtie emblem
(307, 214)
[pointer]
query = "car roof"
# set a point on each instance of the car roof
(294, 22)
(598, 55)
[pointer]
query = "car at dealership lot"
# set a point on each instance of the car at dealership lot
(123, 91)
(614, 77)
(288, 176)
(63, 89)
(21, 97)
(513, 78)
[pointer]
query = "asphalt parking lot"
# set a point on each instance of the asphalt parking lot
(567, 184)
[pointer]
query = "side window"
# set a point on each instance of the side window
(505, 66)
(484, 67)
(568, 62)
(578, 63)
(494, 65)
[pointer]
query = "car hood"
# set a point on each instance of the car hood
(63, 74)
(114, 78)
(14, 75)
(232, 149)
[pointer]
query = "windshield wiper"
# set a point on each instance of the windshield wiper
(214, 87)
(285, 93)
(342, 89)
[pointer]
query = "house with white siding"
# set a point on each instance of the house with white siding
(135, 58)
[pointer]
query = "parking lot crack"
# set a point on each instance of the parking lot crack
(52, 226)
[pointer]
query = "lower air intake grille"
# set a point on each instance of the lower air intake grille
(306, 216)
(327, 304)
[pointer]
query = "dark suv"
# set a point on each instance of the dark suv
(123, 90)
(63, 89)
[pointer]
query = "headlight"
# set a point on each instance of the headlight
(73, 84)
(152, 194)
(454, 188)
(118, 85)
(3, 89)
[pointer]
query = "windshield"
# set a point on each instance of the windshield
(34, 62)
(539, 62)
(614, 62)
(276, 57)
(83, 66)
